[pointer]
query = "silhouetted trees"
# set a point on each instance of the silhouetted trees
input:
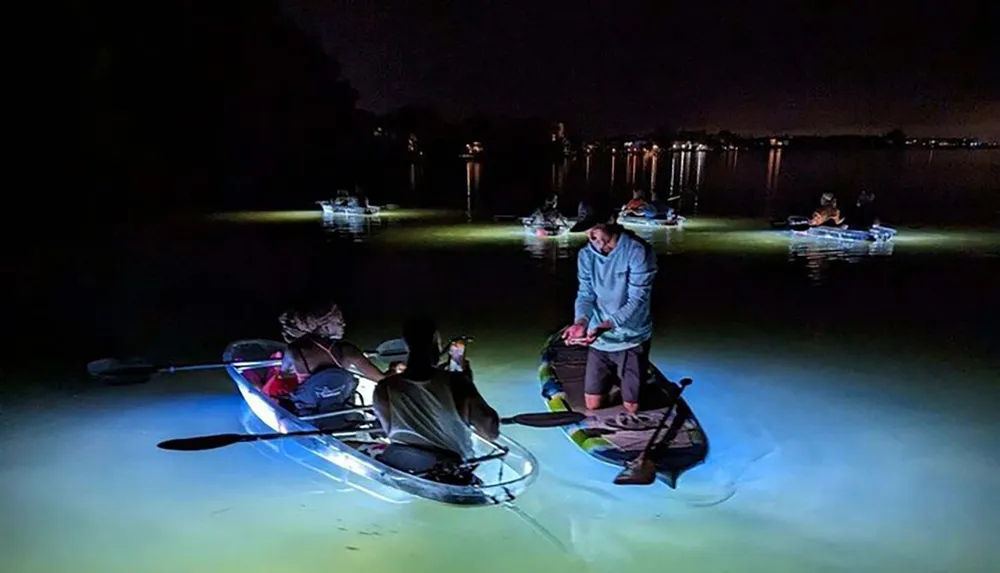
(215, 104)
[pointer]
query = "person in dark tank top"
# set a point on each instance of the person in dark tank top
(315, 338)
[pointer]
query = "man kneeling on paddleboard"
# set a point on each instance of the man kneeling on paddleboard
(428, 413)
(615, 270)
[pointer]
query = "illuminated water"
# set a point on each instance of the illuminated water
(849, 396)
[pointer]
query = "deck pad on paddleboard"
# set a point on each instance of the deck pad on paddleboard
(612, 436)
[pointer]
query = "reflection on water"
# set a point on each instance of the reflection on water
(661, 238)
(559, 172)
(550, 249)
(473, 171)
(819, 253)
(354, 227)
(773, 169)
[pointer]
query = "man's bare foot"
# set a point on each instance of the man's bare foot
(593, 401)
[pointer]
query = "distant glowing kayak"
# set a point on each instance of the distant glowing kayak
(547, 229)
(501, 472)
(876, 233)
(680, 447)
(332, 208)
(675, 221)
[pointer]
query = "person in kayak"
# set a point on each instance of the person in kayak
(864, 217)
(319, 367)
(428, 413)
(638, 206)
(615, 271)
(658, 209)
(548, 214)
(827, 212)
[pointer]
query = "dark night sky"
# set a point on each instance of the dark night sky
(608, 66)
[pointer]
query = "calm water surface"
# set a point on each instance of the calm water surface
(849, 394)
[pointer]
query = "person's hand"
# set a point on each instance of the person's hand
(595, 333)
(574, 332)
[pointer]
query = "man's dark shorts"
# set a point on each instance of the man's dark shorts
(628, 368)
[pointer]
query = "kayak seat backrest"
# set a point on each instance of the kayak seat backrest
(327, 390)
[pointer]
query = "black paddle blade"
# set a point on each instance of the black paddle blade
(639, 472)
(201, 443)
(545, 419)
(114, 371)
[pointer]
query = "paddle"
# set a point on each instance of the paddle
(534, 420)
(642, 470)
(137, 371)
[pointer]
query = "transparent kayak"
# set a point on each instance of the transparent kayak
(546, 229)
(675, 221)
(876, 233)
(331, 208)
(503, 468)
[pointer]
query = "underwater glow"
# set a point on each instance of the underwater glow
(808, 470)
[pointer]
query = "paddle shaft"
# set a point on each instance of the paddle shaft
(240, 364)
(539, 420)
(663, 421)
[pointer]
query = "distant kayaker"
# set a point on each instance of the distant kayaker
(659, 209)
(615, 271)
(548, 213)
(315, 338)
(638, 206)
(863, 217)
(827, 212)
(427, 410)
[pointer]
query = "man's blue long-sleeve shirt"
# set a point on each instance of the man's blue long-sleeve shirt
(617, 287)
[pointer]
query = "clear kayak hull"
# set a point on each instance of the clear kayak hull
(548, 229)
(506, 470)
(331, 208)
(675, 221)
(876, 233)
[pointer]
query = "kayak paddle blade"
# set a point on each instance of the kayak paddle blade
(201, 443)
(395, 349)
(639, 472)
(545, 419)
(114, 371)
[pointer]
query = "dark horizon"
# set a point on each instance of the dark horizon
(605, 70)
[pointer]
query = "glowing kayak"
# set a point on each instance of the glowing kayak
(674, 221)
(502, 471)
(547, 229)
(331, 208)
(680, 447)
(876, 233)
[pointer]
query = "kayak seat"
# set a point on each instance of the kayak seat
(416, 459)
(430, 463)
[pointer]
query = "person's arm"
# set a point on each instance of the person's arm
(641, 272)
(473, 407)
(354, 359)
(292, 362)
(583, 308)
(380, 405)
